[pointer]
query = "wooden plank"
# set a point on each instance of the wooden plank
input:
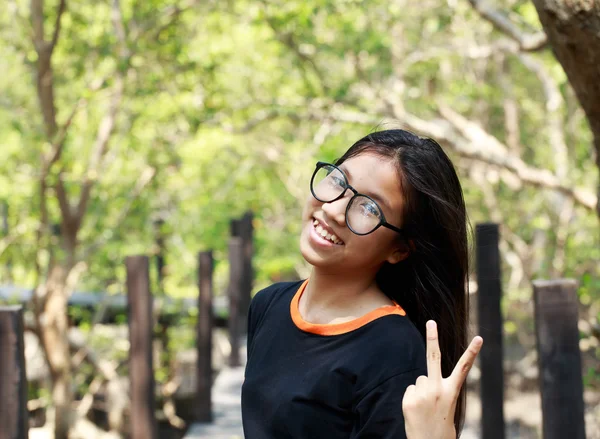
(227, 422)
(559, 358)
(236, 266)
(490, 328)
(13, 379)
(203, 408)
(141, 373)
(110, 301)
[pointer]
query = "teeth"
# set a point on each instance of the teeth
(324, 234)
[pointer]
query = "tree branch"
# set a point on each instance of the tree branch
(258, 118)
(107, 371)
(486, 147)
(68, 224)
(554, 103)
(61, 9)
(472, 142)
(527, 42)
(100, 149)
(173, 14)
(565, 215)
(107, 125)
(6, 242)
(119, 27)
(510, 107)
(152, 27)
(145, 177)
(45, 81)
(59, 140)
(518, 259)
(287, 39)
(37, 24)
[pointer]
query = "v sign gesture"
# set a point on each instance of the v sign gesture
(429, 405)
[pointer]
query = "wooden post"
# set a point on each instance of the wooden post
(246, 233)
(236, 266)
(559, 358)
(13, 380)
(203, 408)
(160, 254)
(141, 373)
(489, 293)
(234, 225)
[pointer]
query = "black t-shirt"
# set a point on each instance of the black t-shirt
(331, 381)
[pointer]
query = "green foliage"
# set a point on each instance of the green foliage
(231, 103)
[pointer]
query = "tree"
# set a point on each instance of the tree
(119, 114)
(572, 30)
(91, 87)
(60, 274)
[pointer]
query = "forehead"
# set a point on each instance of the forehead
(377, 176)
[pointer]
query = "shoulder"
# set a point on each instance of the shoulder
(395, 337)
(272, 291)
(391, 346)
(269, 296)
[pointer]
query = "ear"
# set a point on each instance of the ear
(398, 255)
(401, 252)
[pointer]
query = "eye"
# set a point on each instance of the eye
(337, 181)
(368, 208)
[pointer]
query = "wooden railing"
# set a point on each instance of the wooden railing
(556, 316)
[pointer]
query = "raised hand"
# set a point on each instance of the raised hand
(430, 403)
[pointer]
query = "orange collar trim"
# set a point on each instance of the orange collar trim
(338, 328)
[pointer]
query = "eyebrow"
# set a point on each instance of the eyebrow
(373, 195)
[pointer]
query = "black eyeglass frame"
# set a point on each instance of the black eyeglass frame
(382, 221)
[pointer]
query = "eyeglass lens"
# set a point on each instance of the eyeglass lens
(362, 215)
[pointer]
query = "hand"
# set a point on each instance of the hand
(429, 405)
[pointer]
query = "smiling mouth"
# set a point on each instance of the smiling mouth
(325, 234)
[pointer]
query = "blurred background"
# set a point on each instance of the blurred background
(133, 127)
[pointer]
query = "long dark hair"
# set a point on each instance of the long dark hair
(432, 283)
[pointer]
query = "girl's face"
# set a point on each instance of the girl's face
(371, 175)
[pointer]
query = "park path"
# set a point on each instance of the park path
(227, 422)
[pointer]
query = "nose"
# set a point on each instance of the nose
(336, 210)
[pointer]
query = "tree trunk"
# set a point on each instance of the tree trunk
(573, 30)
(55, 339)
(46, 91)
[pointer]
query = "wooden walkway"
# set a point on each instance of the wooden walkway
(227, 423)
(227, 412)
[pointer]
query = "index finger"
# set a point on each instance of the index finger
(434, 356)
(462, 368)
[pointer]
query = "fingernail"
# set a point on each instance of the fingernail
(478, 341)
(431, 324)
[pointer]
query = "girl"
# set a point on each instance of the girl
(385, 231)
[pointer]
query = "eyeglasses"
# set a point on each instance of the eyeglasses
(363, 214)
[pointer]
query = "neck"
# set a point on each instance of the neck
(335, 290)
